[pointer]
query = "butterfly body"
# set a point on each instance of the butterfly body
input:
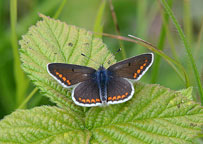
(103, 86)
(102, 78)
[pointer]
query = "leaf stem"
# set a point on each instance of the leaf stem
(187, 19)
(141, 27)
(98, 24)
(21, 82)
(28, 98)
(56, 15)
(162, 38)
(117, 28)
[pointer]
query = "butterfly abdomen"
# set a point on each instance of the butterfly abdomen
(102, 78)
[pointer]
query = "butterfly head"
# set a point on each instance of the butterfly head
(101, 68)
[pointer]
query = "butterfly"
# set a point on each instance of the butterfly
(103, 86)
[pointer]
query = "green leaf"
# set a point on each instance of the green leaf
(54, 41)
(43, 125)
(154, 115)
(187, 92)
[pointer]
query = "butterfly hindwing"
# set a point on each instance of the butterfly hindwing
(132, 68)
(69, 74)
(119, 90)
(86, 94)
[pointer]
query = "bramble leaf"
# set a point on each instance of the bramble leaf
(154, 115)
(187, 92)
(43, 125)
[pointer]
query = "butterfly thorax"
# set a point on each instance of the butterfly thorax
(102, 78)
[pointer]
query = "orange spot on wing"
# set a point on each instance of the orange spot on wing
(138, 71)
(60, 75)
(80, 99)
(146, 60)
(68, 81)
(118, 97)
(126, 93)
(83, 100)
(57, 73)
(135, 75)
(109, 98)
(141, 67)
(93, 100)
(114, 98)
(123, 96)
(97, 100)
(88, 100)
(144, 64)
(64, 79)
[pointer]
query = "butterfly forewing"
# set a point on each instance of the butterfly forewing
(69, 74)
(132, 68)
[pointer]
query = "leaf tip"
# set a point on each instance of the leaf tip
(43, 16)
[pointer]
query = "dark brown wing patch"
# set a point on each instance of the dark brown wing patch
(69, 74)
(132, 68)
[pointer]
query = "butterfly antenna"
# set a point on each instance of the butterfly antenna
(90, 59)
(112, 56)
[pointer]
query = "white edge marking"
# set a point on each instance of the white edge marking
(128, 98)
(65, 86)
(139, 77)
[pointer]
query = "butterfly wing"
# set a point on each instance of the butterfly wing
(132, 68)
(119, 90)
(87, 94)
(69, 74)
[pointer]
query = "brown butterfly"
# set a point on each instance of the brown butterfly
(102, 86)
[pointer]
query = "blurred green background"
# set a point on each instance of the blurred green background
(142, 18)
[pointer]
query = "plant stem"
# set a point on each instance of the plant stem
(21, 82)
(117, 28)
(160, 46)
(28, 98)
(98, 24)
(58, 12)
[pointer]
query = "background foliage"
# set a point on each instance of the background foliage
(144, 19)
